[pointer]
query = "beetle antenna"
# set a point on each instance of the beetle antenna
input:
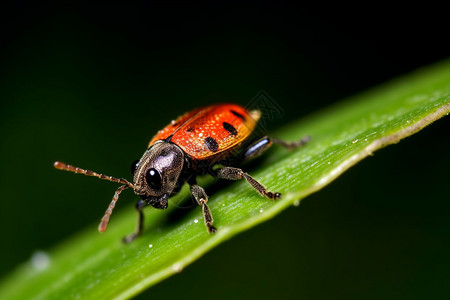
(126, 184)
(62, 166)
(104, 222)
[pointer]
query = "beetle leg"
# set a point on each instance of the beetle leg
(292, 145)
(140, 224)
(200, 196)
(261, 145)
(257, 148)
(231, 173)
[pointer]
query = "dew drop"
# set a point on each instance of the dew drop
(40, 260)
(177, 267)
(296, 203)
(195, 221)
(150, 246)
(261, 210)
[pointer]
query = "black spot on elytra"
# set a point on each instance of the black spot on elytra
(230, 128)
(238, 115)
(211, 144)
(190, 129)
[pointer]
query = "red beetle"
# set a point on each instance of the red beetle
(190, 146)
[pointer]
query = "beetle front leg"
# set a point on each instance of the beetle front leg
(200, 196)
(140, 223)
(231, 173)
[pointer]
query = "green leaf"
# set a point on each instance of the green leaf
(96, 266)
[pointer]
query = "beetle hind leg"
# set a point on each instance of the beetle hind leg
(292, 145)
(261, 145)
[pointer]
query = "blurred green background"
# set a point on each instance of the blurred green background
(90, 85)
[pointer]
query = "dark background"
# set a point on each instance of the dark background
(91, 84)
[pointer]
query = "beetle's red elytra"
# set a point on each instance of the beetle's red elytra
(212, 140)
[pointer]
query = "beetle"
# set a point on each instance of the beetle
(212, 140)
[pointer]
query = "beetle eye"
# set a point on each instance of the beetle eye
(153, 179)
(134, 166)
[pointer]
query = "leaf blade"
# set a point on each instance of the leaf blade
(93, 266)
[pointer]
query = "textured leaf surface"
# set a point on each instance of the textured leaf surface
(97, 266)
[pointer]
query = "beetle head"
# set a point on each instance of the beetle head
(156, 174)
